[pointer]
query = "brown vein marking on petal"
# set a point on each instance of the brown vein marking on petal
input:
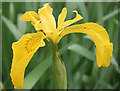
(32, 44)
(39, 21)
(42, 31)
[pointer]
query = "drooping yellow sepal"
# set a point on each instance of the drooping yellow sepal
(99, 36)
(23, 50)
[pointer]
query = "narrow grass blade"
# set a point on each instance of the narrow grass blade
(110, 15)
(12, 12)
(83, 11)
(12, 28)
(0, 48)
(92, 8)
(99, 12)
(83, 51)
(0, 87)
(32, 78)
(115, 64)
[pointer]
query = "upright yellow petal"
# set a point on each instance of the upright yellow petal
(47, 18)
(69, 22)
(23, 50)
(99, 36)
(62, 16)
(30, 16)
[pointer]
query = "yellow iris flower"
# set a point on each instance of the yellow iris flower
(45, 25)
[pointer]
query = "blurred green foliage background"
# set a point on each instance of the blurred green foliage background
(77, 50)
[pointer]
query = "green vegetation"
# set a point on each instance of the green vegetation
(77, 50)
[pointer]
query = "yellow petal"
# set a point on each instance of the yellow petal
(62, 17)
(69, 22)
(23, 50)
(39, 25)
(99, 36)
(31, 16)
(47, 18)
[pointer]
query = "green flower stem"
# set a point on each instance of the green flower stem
(58, 69)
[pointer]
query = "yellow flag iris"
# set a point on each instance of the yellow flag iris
(45, 25)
